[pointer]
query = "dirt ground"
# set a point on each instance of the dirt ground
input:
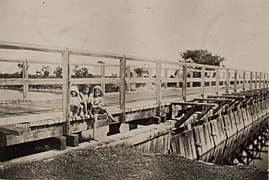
(124, 162)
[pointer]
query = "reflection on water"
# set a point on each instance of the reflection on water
(261, 157)
(255, 153)
(248, 147)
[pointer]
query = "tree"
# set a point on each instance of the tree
(46, 71)
(82, 72)
(58, 72)
(201, 56)
(141, 72)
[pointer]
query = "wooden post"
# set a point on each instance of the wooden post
(158, 88)
(122, 87)
(66, 90)
(184, 83)
(267, 81)
(264, 79)
(60, 142)
(217, 81)
(165, 76)
(150, 77)
(178, 77)
(128, 69)
(103, 73)
(203, 82)
(235, 80)
(25, 77)
(227, 80)
(260, 82)
(191, 78)
(256, 79)
(251, 80)
(244, 80)
(72, 140)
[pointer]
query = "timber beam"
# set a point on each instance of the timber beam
(13, 130)
(188, 112)
(236, 99)
(220, 102)
(249, 97)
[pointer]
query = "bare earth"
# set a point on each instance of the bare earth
(124, 162)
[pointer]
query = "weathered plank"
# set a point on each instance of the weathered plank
(34, 119)
(157, 145)
(8, 140)
(13, 130)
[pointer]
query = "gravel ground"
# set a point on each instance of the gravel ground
(124, 162)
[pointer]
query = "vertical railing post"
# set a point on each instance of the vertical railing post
(264, 79)
(217, 81)
(150, 73)
(244, 80)
(203, 82)
(165, 76)
(122, 87)
(103, 77)
(128, 71)
(235, 80)
(256, 80)
(25, 77)
(251, 80)
(260, 82)
(227, 80)
(191, 78)
(150, 78)
(184, 83)
(267, 80)
(66, 90)
(158, 87)
(178, 77)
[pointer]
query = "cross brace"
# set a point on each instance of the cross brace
(220, 102)
(194, 108)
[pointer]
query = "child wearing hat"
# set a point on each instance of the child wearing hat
(85, 96)
(97, 103)
(76, 109)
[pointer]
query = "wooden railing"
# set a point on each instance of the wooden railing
(186, 75)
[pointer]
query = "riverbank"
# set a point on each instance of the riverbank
(125, 162)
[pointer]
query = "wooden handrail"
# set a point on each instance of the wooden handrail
(22, 46)
(187, 67)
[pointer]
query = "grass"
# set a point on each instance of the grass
(125, 162)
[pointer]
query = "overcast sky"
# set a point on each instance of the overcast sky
(235, 29)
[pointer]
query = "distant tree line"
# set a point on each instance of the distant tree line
(196, 56)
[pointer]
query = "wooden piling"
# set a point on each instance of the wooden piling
(72, 140)
(66, 90)
(25, 76)
(122, 88)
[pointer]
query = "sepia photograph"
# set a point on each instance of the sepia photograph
(134, 89)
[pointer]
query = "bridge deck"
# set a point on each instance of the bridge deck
(134, 101)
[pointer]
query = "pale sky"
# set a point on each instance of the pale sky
(235, 29)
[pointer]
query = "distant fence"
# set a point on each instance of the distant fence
(160, 75)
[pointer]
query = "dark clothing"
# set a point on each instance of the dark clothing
(98, 110)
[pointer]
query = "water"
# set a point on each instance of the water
(262, 161)
(255, 151)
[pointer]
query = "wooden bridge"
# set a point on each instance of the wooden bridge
(139, 99)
